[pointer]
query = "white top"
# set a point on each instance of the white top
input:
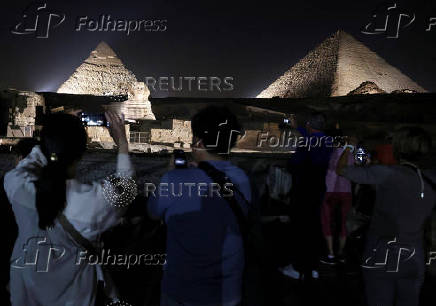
(46, 265)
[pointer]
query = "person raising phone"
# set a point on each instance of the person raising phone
(53, 209)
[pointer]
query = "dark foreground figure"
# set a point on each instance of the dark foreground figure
(394, 257)
(205, 244)
(205, 253)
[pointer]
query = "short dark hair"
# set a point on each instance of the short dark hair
(317, 121)
(411, 143)
(217, 127)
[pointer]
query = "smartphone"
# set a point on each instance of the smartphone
(180, 160)
(93, 119)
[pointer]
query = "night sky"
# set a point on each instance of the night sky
(253, 42)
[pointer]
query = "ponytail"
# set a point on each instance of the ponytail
(51, 194)
(63, 142)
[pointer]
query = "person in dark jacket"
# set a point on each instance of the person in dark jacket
(393, 263)
(309, 168)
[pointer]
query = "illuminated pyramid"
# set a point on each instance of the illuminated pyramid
(336, 67)
(104, 74)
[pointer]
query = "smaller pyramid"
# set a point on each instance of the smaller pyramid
(101, 74)
(339, 65)
(366, 88)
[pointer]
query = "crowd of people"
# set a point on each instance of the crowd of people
(216, 252)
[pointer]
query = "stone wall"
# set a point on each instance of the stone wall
(21, 112)
(180, 132)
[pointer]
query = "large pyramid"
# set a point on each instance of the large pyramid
(103, 74)
(335, 68)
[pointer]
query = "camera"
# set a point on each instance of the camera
(286, 123)
(361, 156)
(180, 160)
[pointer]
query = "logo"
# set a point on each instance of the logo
(38, 253)
(389, 21)
(202, 83)
(230, 134)
(388, 256)
(37, 20)
(119, 190)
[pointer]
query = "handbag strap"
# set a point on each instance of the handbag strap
(77, 237)
(221, 179)
(423, 178)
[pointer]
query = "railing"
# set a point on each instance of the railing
(140, 137)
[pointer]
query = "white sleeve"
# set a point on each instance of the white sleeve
(87, 206)
(19, 183)
(124, 165)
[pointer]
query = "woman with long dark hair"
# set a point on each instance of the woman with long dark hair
(57, 216)
(393, 263)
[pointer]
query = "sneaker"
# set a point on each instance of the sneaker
(341, 259)
(289, 271)
(329, 260)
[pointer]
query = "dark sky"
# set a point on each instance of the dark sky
(253, 42)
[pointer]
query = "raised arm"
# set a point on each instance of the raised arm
(19, 183)
(95, 208)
